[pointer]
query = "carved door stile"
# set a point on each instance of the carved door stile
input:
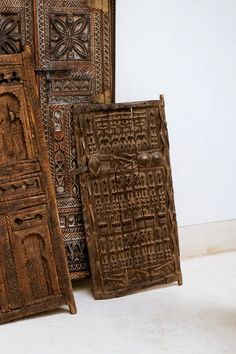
(124, 151)
(171, 214)
(34, 275)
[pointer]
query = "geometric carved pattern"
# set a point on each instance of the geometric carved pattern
(69, 37)
(9, 33)
(127, 194)
(74, 56)
(33, 268)
(75, 42)
(16, 25)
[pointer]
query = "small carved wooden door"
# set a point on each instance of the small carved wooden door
(33, 269)
(127, 194)
(73, 45)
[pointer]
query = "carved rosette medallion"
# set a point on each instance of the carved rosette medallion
(69, 37)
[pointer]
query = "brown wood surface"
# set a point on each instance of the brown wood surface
(127, 193)
(33, 271)
(74, 51)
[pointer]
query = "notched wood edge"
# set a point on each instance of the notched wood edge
(102, 5)
(103, 98)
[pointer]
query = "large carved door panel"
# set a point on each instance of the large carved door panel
(33, 269)
(73, 45)
(75, 63)
(127, 194)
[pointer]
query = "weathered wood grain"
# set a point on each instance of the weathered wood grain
(33, 271)
(74, 55)
(127, 193)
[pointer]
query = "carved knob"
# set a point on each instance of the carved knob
(144, 159)
(156, 158)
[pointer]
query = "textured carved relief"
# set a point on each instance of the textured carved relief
(12, 147)
(74, 56)
(33, 269)
(126, 187)
(9, 33)
(16, 26)
(75, 62)
(69, 37)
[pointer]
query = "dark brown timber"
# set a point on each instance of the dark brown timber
(128, 202)
(33, 269)
(74, 51)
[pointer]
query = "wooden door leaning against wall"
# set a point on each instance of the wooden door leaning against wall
(127, 193)
(33, 270)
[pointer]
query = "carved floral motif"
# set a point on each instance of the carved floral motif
(9, 34)
(69, 37)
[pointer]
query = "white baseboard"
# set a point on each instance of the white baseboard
(203, 239)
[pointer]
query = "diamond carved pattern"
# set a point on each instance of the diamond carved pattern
(69, 37)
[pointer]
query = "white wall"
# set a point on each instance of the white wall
(186, 49)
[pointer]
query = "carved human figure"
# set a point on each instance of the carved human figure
(18, 148)
(12, 143)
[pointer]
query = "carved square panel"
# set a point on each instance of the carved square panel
(69, 37)
(16, 25)
(33, 269)
(127, 193)
(10, 41)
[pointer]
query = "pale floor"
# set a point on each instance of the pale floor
(198, 318)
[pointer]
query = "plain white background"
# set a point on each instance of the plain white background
(187, 50)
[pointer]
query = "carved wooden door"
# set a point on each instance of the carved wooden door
(75, 64)
(73, 42)
(126, 188)
(33, 269)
